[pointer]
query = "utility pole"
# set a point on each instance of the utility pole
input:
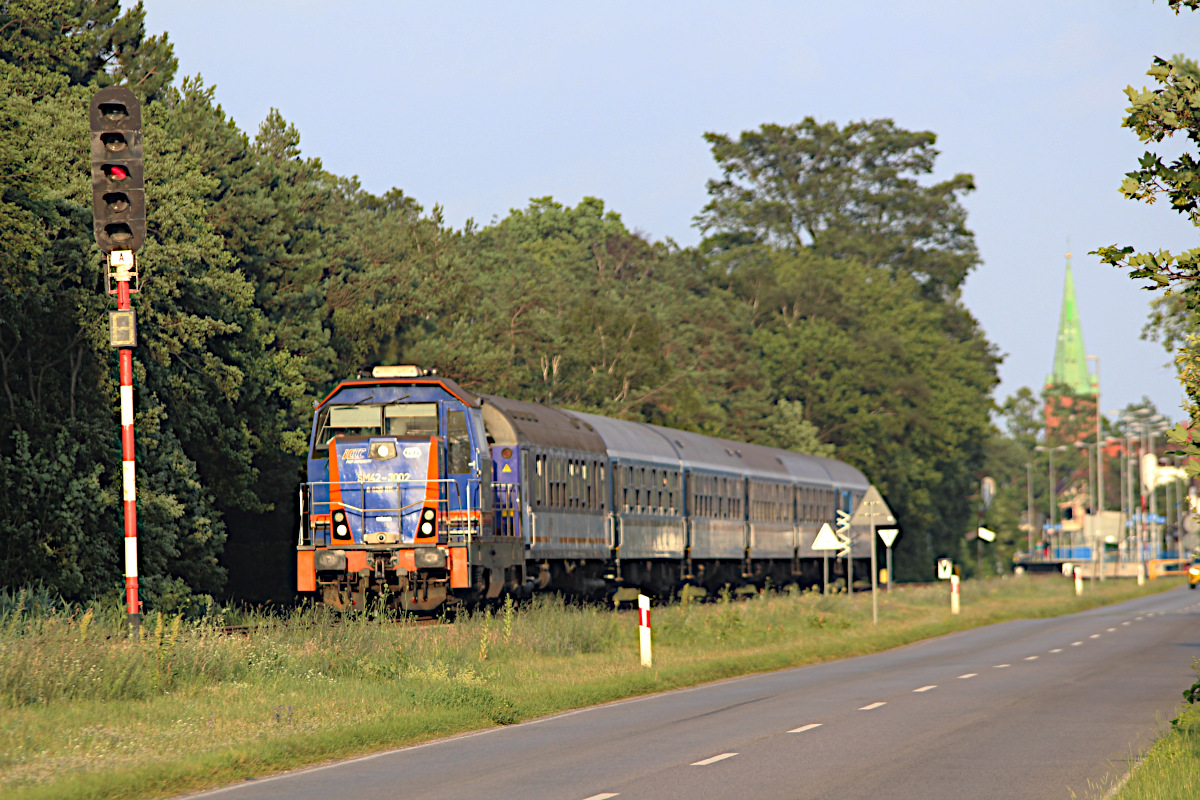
(119, 223)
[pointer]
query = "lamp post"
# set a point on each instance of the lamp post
(1052, 494)
(1099, 504)
(1029, 503)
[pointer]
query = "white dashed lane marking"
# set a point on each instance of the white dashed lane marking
(1094, 636)
(873, 705)
(1001, 666)
(1110, 630)
(1126, 622)
(807, 727)
(1031, 658)
(603, 796)
(968, 675)
(713, 760)
(1076, 644)
(925, 688)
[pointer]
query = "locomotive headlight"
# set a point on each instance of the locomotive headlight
(428, 515)
(426, 528)
(341, 530)
(383, 450)
(339, 516)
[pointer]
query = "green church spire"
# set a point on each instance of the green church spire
(1070, 362)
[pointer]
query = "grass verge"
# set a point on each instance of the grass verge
(87, 713)
(1170, 770)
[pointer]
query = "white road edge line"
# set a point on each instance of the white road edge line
(807, 727)
(968, 675)
(602, 796)
(873, 705)
(925, 688)
(713, 760)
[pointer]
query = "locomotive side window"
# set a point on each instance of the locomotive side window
(458, 443)
(416, 420)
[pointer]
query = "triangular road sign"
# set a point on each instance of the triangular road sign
(888, 535)
(826, 539)
(872, 510)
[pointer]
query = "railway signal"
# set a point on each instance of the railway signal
(119, 223)
(118, 185)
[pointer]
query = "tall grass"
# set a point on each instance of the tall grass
(86, 711)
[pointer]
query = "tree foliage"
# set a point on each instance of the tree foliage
(846, 192)
(1155, 115)
(820, 315)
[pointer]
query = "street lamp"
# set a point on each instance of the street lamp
(1052, 494)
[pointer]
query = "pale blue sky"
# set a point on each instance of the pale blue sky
(480, 106)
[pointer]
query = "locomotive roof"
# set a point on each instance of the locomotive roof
(470, 398)
(515, 422)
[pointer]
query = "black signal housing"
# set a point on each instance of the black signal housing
(118, 180)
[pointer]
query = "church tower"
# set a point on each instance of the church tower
(1070, 391)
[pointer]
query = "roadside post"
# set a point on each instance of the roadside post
(119, 224)
(644, 629)
(826, 540)
(873, 510)
(1078, 581)
(947, 572)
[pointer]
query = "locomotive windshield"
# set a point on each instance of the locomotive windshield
(410, 420)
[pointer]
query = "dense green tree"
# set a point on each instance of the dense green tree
(846, 192)
(205, 379)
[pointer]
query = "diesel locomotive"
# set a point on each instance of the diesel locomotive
(424, 495)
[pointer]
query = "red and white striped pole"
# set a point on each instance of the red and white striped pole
(954, 600)
(644, 628)
(122, 263)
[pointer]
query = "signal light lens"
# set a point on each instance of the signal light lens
(428, 515)
(119, 232)
(426, 528)
(113, 111)
(116, 172)
(117, 202)
(114, 142)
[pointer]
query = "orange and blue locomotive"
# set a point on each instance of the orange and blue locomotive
(399, 501)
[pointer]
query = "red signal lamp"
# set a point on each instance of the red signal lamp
(117, 172)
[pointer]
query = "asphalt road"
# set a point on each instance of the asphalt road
(1051, 708)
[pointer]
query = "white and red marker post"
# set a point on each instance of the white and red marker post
(121, 262)
(954, 600)
(644, 628)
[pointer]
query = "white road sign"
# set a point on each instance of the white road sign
(872, 510)
(827, 539)
(888, 535)
(945, 569)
